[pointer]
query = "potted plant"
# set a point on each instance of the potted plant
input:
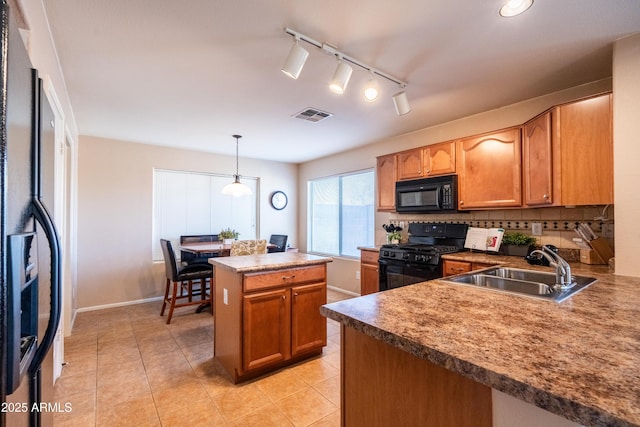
(393, 233)
(228, 235)
(517, 244)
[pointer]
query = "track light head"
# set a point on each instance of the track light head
(341, 77)
(371, 89)
(295, 61)
(401, 102)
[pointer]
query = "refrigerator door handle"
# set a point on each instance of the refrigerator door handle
(42, 216)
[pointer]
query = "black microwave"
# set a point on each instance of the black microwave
(428, 195)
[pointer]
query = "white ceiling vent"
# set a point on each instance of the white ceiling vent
(312, 115)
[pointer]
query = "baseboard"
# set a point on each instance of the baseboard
(344, 291)
(118, 304)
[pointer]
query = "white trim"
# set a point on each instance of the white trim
(119, 304)
(343, 291)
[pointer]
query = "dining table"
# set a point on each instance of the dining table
(218, 248)
(210, 248)
(202, 248)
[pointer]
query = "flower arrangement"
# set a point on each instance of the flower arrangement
(228, 233)
(393, 233)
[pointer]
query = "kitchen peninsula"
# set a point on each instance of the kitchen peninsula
(267, 311)
(438, 348)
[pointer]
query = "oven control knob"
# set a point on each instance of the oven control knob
(385, 253)
(405, 256)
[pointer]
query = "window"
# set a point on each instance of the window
(191, 203)
(341, 213)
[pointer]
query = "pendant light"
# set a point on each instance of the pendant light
(236, 188)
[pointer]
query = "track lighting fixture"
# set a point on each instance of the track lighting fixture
(371, 89)
(341, 77)
(515, 7)
(296, 59)
(236, 188)
(401, 102)
(295, 62)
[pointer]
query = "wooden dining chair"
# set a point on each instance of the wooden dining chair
(280, 242)
(183, 284)
(248, 247)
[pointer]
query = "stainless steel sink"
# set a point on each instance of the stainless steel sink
(537, 284)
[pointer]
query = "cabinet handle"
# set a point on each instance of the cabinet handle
(284, 297)
(545, 196)
(288, 277)
(461, 203)
(295, 294)
(458, 269)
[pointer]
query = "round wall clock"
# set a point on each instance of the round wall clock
(278, 200)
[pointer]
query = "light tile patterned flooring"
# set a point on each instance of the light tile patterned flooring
(127, 367)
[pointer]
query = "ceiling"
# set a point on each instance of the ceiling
(191, 74)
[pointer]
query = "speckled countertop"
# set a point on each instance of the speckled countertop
(579, 359)
(273, 261)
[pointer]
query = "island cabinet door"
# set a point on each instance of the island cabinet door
(308, 326)
(266, 328)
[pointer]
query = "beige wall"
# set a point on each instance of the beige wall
(626, 155)
(115, 213)
(342, 270)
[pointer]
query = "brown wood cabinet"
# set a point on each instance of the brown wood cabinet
(451, 267)
(416, 391)
(369, 272)
(386, 176)
(268, 319)
(410, 164)
(537, 162)
(582, 131)
(440, 159)
(432, 160)
(489, 170)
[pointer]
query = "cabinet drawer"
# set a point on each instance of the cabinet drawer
(369, 257)
(450, 267)
(286, 277)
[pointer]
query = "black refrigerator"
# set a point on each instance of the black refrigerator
(30, 250)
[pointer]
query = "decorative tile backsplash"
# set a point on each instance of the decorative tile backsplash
(557, 223)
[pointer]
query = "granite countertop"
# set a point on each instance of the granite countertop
(264, 262)
(579, 359)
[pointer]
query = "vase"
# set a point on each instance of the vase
(228, 241)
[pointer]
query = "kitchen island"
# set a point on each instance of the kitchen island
(579, 359)
(267, 311)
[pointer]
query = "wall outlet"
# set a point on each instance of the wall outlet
(225, 296)
(536, 228)
(358, 274)
(608, 231)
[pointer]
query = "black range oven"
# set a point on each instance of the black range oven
(420, 259)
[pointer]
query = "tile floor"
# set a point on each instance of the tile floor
(126, 367)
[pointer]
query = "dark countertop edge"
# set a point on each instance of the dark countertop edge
(558, 405)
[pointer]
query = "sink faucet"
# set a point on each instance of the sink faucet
(563, 270)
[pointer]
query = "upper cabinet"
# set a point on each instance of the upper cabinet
(583, 134)
(386, 179)
(440, 159)
(563, 157)
(410, 164)
(537, 162)
(432, 160)
(489, 172)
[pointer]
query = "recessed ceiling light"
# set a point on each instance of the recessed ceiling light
(515, 7)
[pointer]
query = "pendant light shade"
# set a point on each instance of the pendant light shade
(515, 7)
(295, 61)
(341, 77)
(236, 188)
